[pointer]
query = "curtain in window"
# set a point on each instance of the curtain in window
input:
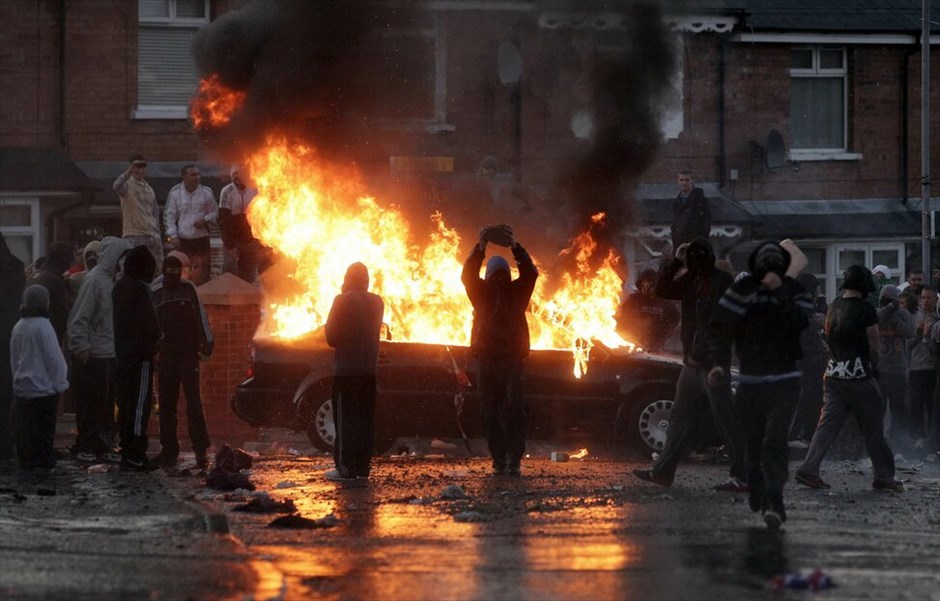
(817, 112)
(167, 74)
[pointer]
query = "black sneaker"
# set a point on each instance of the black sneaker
(202, 458)
(138, 465)
(773, 521)
(811, 481)
(649, 477)
(890, 485)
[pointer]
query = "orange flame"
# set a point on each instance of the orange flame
(581, 454)
(320, 217)
(214, 104)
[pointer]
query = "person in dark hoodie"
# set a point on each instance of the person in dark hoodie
(137, 338)
(644, 318)
(187, 338)
(763, 314)
(500, 341)
(13, 276)
(693, 279)
(52, 278)
(353, 328)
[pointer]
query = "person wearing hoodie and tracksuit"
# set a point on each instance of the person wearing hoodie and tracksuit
(353, 328)
(91, 342)
(763, 315)
(693, 279)
(137, 338)
(500, 342)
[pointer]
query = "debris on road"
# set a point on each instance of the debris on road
(453, 492)
(470, 517)
(263, 503)
(814, 581)
(285, 484)
(301, 523)
(227, 473)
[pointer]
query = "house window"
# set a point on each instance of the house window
(166, 72)
(869, 255)
(818, 98)
(19, 224)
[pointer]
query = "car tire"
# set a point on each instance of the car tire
(648, 420)
(321, 429)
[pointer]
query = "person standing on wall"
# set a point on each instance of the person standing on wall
(140, 215)
(190, 209)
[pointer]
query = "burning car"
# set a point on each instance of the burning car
(430, 390)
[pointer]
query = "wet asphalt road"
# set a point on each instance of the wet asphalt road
(581, 529)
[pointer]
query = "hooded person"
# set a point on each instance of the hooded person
(39, 377)
(94, 367)
(763, 316)
(137, 338)
(644, 318)
(187, 339)
(499, 340)
(693, 280)
(849, 384)
(90, 259)
(895, 332)
(353, 328)
(52, 277)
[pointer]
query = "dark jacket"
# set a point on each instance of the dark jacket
(354, 325)
(60, 295)
(499, 327)
(698, 294)
(186, 330)
(647, 320)
(137, 333)
(691, 218)
(764, 324)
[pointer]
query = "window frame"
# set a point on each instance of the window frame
(832, 262)
(33, 230)
(818, 72)
(166, 111)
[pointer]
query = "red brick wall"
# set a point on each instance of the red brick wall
(233, 327)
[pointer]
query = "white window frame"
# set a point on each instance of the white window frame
(159, 111)
(19, 231)
(816, 71)
(832, 260)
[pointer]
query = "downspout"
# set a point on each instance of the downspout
(61, 116)
(722, 159)
(905, 120)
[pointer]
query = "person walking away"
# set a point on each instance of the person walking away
(644, 318)
(52, 277)
(693, 279)
(763, 315)
(39, 377)
(137, 338)
(91, 343)
(187, 340)
(691, 213)
(13, 276)
(895, 331)
(240, 248)
(140, 214)
(353, 328)
(812, 367)
(850, 386)
(500, 342)
(190, 208)
(923, 367)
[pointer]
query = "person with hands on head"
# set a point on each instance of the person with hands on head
(763, 315)
(500, 342)
(140, 214)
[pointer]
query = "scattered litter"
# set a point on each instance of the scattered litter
(299, 522)
(663, 498)
(560, 457)
(263, 503)
(470, 517)
(98, 468)
(285, 484)
(453, 492)
(227, 475)
(293, 451)
(434, 456)
(437, 443)
(421, 501)
(814, 581)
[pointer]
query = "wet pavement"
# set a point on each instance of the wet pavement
(436, 525)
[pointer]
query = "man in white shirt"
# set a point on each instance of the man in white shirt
(140, 215)
(240, 248)
(190, 208)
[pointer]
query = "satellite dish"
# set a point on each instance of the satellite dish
(509, 63)
(776, 151)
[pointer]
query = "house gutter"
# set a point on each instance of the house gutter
(63, 142)
(905, 120)
(722, 158)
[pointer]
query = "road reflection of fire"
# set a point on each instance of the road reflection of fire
(320, 217)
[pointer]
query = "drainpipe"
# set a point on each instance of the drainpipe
(722, 159)
(905, 121)
(61, 116)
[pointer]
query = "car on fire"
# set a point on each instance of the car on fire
(429, 390)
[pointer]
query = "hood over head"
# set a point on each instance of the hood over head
(699, 257)
(140, 264)
(884, 270)
(109, 251)
(769, 257)
(495, 264)
(172, 272)
(36, 297)
(357, 278)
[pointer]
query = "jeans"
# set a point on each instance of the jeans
(767, 412)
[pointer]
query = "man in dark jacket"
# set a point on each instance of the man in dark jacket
(691, 213)
(353, 328)
(137, 339)
(644, 318)
(763, 314)
(500, 342)
(52, 278)
(693, 279)
(187, 338)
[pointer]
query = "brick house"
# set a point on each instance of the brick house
(799, 121)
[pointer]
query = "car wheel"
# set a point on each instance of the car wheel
(649, 421)
(321, 430)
